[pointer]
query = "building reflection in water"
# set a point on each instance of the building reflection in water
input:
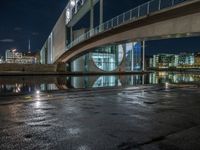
(107, 81)
(23, 85)
(163, 77)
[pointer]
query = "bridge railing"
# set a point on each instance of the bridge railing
(129, 16)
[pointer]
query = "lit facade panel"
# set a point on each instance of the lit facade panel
(133, 56)
(59, 37)
(43, 54)
(50, 50)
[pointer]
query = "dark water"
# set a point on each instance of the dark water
(27, 84)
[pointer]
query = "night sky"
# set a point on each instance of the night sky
(22, 20)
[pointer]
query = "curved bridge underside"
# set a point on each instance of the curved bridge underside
(179, 21)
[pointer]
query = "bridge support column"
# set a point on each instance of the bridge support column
(91, 15)
(143, 56)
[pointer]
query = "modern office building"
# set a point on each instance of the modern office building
(181, 60)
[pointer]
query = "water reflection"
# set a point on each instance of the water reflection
(21, 85)
(163, 77)
(107, 81)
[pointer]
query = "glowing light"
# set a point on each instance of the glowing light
(14, 50)
(38, 95)
(166, 85)
(37, 92)
(73, 3)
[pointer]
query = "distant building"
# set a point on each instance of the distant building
(197, 59)
(12, 56)
(171, 60)
(1, 60)
(164, 61)
(186, 59)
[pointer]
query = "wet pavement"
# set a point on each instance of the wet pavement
(140, 117)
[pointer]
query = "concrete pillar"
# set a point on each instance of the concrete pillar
(71, 34)
(143, 56)
(91, 15)
(101, 12)
(61, 67)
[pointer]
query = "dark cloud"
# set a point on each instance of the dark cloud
(7, 40)
(17, 29)
(35, 33)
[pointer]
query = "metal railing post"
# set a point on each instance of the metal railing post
(112, 22)
(117, 20)
(138, 11)
(159, 5)
(172, 2)
(148, 8)
(131, 14)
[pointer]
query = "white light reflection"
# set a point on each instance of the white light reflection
(166, 85)
(37, 104)
(37, 92)
(37, 95)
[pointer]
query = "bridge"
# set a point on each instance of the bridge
(156, 19)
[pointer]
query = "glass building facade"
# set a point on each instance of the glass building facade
(115, 57)
(133, 56)
(108, 58)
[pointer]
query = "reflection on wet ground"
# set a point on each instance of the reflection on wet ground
(26, 84)
(139, 117)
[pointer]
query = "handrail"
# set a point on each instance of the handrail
(131, 15)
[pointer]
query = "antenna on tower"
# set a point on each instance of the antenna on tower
(29, 46)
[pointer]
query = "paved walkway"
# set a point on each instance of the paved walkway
(133, 118)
